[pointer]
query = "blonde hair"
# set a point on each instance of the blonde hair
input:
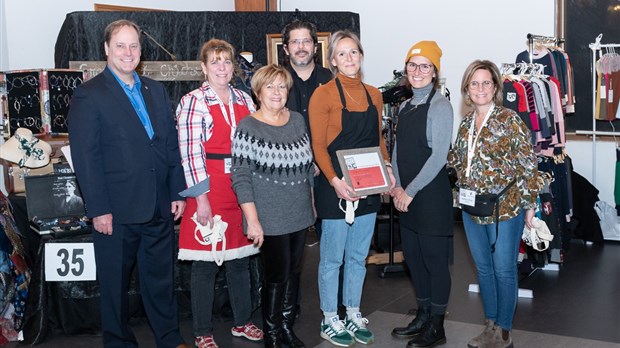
(498, 96)
(334, 39)
(268, 74)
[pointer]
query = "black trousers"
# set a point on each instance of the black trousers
(282, 256)
(428, 259)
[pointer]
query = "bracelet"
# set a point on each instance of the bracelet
(388, 165)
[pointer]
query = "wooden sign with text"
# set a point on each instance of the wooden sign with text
(187, 70)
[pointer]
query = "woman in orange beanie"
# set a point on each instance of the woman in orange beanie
(423, 195)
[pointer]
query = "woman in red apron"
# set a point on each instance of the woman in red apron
(207, 118)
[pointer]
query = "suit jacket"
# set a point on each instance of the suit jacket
(119, 169)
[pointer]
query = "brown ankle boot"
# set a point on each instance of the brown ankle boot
(479, 340)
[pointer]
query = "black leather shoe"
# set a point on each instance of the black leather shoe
(415, 326)
(432, 334)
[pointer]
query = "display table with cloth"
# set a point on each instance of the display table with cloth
(73, 307)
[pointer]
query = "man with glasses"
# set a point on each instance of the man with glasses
(300, 48)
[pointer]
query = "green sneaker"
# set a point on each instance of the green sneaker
(335, 333)
(357, 328)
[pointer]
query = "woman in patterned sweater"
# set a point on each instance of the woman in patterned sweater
(491, 150)
(272, 174)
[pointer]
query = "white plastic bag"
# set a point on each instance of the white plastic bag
(206, 235)
(610, 224)
(538, 237)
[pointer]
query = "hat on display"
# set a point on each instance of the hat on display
(427, 49)
(26, 150)
(538, 237)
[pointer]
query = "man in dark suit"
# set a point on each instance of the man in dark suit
(125, 154)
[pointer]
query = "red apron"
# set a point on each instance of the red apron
(221, 196)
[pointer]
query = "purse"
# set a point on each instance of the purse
(485, 205)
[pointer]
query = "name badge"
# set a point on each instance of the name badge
(467, 197)
(227, 165)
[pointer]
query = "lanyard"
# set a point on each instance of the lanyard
(473, 141)
(230, 120)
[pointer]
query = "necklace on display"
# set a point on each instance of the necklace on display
(353, 99)
(421, 101)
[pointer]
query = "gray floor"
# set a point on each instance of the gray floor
(577, 306)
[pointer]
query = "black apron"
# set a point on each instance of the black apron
(359, 129)
(430, 212)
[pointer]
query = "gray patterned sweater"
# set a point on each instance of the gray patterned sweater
(272, 167)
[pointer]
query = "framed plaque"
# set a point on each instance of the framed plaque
(364, 170)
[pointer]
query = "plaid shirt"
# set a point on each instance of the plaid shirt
(195, 126)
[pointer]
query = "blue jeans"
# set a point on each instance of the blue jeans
(341, 242)
(497, 272)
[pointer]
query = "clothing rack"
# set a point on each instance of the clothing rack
(596, 47)
(531, 38)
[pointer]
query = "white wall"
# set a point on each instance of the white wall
(465, 31)
(3, 46)
(605, 164)
(31, 44)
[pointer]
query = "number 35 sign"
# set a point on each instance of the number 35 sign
(70, 262)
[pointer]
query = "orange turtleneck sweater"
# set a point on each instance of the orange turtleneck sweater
(325, 113)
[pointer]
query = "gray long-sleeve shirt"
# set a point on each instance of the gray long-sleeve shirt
(439, 137)
(272, 167)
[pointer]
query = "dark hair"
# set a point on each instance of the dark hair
(116, 25)
(498, 96)
(299, 24)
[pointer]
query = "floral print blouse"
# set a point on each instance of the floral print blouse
(503, 153)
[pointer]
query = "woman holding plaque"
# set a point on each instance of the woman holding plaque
(345, 113)
(423, 195)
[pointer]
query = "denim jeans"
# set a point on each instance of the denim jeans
(497, 272)
(341, 242)
(203, 293)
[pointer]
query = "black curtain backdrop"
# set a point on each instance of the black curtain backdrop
(585, 19)
(183, 33)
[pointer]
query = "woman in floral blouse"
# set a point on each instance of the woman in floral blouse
(491, 150)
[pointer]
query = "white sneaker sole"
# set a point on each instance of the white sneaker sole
(253, 339)
(329, 339)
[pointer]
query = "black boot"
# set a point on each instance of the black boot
(289, 309)
(432, 334)
(415, 326)
(272, 314)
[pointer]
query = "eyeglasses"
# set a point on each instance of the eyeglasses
(485, 84)
(300, 42)
(424, 68)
